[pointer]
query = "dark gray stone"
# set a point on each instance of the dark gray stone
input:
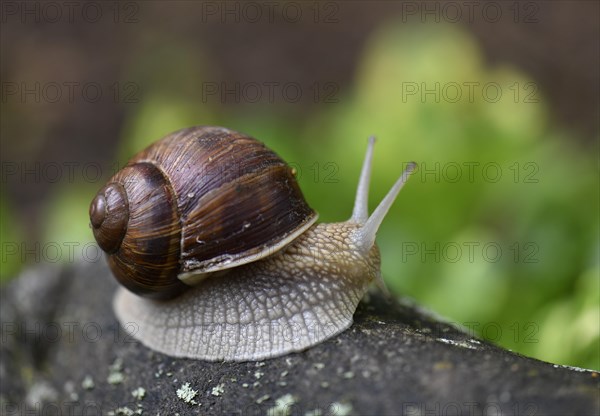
(58, 329)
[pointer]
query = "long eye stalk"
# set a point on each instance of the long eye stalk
(360, 214)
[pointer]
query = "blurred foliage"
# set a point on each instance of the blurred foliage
(540, 297)
(9, 232)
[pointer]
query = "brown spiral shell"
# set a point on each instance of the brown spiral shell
(200, 200)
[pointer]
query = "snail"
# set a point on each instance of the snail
(220, 257)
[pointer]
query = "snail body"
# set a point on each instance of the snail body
(265, 297)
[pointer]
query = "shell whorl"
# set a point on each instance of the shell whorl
(109, 215)
(147, 260)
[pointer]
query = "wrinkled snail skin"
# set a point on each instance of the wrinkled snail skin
(218, 254)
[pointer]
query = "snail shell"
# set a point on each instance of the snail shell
(200, 200)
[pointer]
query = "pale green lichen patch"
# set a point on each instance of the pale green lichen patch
(283, 406)
(115, 375)
(315, 412)
(578, 369)
(124, 411)
(187, 394)
(340, 409)
(69, 388)
(88, 383)
(41, 392)
(115, 378)
(469, 344)
(282, 375)
(218, 390)
(262, 399)
(139, 393)
(117, 365)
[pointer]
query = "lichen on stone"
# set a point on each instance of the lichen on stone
(187, 394)
(88, 383)
(115, 376)
(283, 406)
(262, 399)
(218, 390)
(340, 409)
(139, 393)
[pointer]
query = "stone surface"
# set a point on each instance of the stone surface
(63, 352)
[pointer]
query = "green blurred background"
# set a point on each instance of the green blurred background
(499, 229)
